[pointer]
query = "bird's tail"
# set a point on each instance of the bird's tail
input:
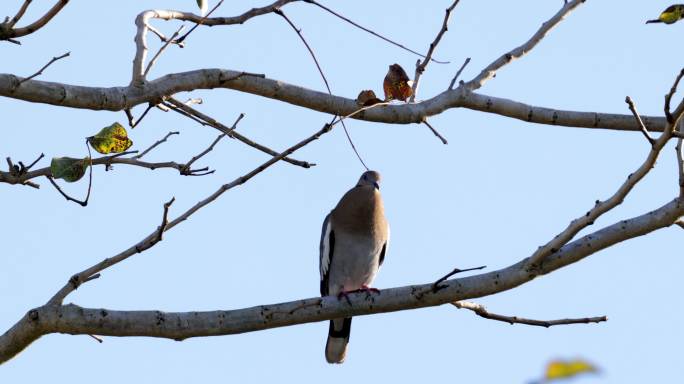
(338, 338)
(654, 21)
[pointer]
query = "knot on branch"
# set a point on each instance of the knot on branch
(75, 281)
(5, 30)
(33, 315)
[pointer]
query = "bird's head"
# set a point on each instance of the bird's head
(370, 178)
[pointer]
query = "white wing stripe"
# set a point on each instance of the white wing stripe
(325, 249)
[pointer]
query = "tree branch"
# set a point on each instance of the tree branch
(642, 127)
(142, 25)
(481, 311)
(601, 207)
(7, 31)
(40, 71)
(19, 14)
(121, 98)
(151, 239)
(490, 71)
(420, 66)
(73, 319)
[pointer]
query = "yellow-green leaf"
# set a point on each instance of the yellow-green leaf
(562, 369)
(112, 139)
(68, 168)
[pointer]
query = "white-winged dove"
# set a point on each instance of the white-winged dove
(354, 240)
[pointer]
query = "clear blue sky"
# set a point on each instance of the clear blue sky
(500, 188)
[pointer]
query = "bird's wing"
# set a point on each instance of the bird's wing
(326, 249)
(384, 247)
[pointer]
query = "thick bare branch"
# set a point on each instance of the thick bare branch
(490, 71)
(121, 98)
(209, 149)
(72, 319)
(7, 31)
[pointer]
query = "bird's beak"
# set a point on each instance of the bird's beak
(377, 186)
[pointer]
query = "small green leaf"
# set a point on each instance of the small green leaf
(112, 139)
(203, 6)
(68, 168)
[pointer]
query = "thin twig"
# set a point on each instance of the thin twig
(142, 116)
(143, 153)
(26, 169)
(165, 220)
(369, 31)
(439, 136)
(481, 311)
(19, 14)
(90, 183)
(69, 198)
(668, 97)
(642, 127)
(182, 39)
(436, 287)
(203, 119)
(40, 71)
(129, 116)
(458, 73)
(162, 37)
(420, 66)
(279, 12)
(189, 171)
(40, 23)
(159, 52)
(99, 340)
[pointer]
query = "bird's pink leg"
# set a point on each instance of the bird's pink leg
(366, 288)
(344, 294)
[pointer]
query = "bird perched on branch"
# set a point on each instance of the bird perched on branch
(671, 15)
(397, 85)
(354, 240)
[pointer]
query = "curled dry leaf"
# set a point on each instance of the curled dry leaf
(112, 139)
(68, 168)
(366, 98)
